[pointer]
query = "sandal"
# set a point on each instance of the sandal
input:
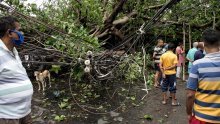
(175, 104)
(164, 102)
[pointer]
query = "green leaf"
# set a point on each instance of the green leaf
(89, 94)
(148, 117)
(63, 105)
(96, 96)
(65, 100)
(16, 2)
(55, 68)
(133, 98)
(82, 101)
(78, 72)
(161, 120)
(34, 6)
(59, 118)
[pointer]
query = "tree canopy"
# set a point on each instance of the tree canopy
(110, 21)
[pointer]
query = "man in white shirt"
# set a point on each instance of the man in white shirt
(15, 87)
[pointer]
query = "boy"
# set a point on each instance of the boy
(168, 63)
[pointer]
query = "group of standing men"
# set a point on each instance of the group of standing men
(203, 85)
(197, 52)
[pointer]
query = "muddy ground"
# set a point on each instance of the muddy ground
(148, 111)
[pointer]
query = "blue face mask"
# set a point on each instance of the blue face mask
(20, 40)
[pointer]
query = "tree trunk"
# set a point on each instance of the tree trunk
(115, 13)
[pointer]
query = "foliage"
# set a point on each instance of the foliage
(78, 18)
(55, 68)
(148, 117)
(133, 67)
(150, 78)
(60, 118)
(64, 104)
(75, 41)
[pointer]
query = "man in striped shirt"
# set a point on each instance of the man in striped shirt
(203, 87)
(158, 51)
(15, 87)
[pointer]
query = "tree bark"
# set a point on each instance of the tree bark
(154, 7)
(125, 19)
(114, 13)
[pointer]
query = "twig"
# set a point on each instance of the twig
(48, 63)
(114, 93)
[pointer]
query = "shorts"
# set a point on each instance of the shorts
(157, 67)
(194, 120)
(169, 83)
(25, 120)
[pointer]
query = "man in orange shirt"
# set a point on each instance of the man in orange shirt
(168, 63)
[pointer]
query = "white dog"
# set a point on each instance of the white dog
(41, 79)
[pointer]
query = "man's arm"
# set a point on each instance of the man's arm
(162, 70)
(192, 86)
(182, 51)
(1, 68)
(154, 54)
(190, 97)
(175, 62)
(187, 57)
(196, 56)
(161, 67)
(171, 67)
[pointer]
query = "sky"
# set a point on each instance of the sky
(38, 2)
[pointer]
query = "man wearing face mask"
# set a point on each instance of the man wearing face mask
(15, 87)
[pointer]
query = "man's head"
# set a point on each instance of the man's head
(211, 39)
(160, 42)
(171, 46)
(195, 44)
(180, 44)
(201, 45)
(9, 30)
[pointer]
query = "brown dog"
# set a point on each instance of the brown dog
(41, 79)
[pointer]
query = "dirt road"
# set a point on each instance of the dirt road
(161, 114)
